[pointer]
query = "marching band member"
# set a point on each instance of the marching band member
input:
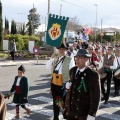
(60, 67)
(110, 63)
(117, 47)
(100, 57)
(116, 80)
(83, 90)
(104, 49)
(94, 60)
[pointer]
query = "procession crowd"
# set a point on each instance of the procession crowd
(85, 71)
(81, 77)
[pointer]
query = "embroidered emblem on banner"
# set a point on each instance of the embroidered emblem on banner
(55, 31)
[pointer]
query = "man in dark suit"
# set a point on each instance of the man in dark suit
(83, 90)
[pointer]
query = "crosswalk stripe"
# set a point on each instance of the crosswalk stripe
(44, 99)
(109, 105)
(108, 115)
(10, 116)
(49, 112)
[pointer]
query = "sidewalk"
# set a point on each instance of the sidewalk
(18, 62)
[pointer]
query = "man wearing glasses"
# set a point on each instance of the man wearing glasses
(94, 60)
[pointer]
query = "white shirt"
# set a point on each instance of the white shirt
(81, 70)
(118, 60)
(74, 52)
(105, 50)
(114, 66)
(18, 81)
(49, 64)
(101, 62)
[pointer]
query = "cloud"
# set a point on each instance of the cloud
(22, 2)
(85, 10)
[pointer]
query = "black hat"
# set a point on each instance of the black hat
(21, 68)
(83, 52)
(110, 47)
(62, 46)
(116, 45)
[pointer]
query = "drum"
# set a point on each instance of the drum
(107, 70)
(117, 74)
(93, 67)
(102, 73)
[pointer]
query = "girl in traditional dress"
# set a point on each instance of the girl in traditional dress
(20, 89)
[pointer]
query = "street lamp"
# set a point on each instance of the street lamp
(95, 22)
(21, 16)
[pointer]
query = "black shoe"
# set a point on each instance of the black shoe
(116, 94)
(103, 98)
(55, 118)
(106, 102)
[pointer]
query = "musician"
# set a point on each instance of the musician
(110, 63)
(104, 49)
(83, 90)
(59, 65)
(116, 80)
(100, 57)
(94, 60)
(99, 47)
(117, 47)
(84, 45)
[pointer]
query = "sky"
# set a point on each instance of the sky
(84, 10)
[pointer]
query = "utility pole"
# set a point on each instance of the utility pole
(101, 30)
(45, 23)
(96, 22)
(33, 15)
(48, 7)
(60, 9)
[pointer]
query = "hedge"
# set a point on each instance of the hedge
(22, 40)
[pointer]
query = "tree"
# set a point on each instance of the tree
(5, 23)
(22, 32)
(13, 27)
(6, 31)
(1, 22)
(73, 24)
(33, 20)
(30, 29)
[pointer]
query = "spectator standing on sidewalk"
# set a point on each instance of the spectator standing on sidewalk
(13, 49)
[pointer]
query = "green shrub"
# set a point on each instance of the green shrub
(22, 40)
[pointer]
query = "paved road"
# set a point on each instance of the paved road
(40, 101)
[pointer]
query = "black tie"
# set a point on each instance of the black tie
(78, 73)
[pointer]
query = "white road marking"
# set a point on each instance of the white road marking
(44, 99)
(10, 116)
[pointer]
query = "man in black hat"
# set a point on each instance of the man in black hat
(60, 66)
(83, 90)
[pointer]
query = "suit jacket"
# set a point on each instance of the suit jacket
(81, 103)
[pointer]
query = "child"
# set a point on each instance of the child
(20, 88)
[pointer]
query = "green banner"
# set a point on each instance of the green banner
(55, 29)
